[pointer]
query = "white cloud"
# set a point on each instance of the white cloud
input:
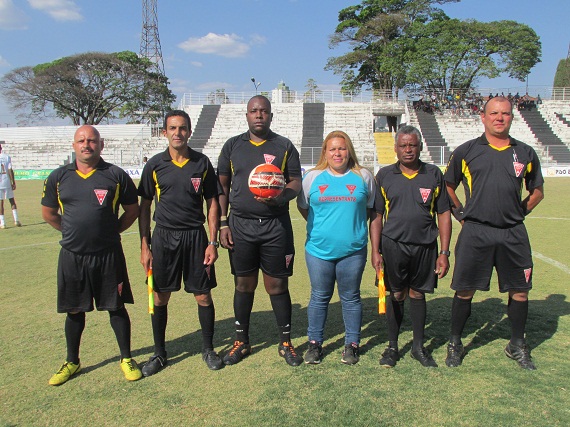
(211, 86)
(3, 62)
(257, 39)
(227, 45)
(11, 17)
(60, 10)
(197, 64)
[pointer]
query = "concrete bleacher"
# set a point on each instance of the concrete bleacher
(47, 147)
(356, 120)
(50, 146)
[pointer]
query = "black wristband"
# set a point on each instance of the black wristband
(224, 223)
(458, 212)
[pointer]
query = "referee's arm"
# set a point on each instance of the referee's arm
(144, 231)
(130, 214)
(535, 196)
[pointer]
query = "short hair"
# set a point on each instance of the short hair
(177, 113)
(260, 97)
(409, 130)
(497, 98)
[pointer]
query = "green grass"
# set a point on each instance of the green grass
(488, 389)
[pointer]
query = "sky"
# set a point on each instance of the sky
(222, 44)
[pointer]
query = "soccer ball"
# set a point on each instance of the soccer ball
(266, 180)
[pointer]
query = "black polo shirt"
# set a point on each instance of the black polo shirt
(178, 190)
(409, 204)
(89, 205)
(239, 156)
(493, 180)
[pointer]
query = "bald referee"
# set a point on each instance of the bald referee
(493, 169)
(82, 201)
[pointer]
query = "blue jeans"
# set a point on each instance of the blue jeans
(347, 272)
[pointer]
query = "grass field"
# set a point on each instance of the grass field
(487, 390)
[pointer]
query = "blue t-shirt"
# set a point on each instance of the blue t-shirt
(338, 211)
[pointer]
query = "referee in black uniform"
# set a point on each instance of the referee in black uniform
(258, 231)
(412, 194)
(493, 169)
(180, 180)
(82, 201)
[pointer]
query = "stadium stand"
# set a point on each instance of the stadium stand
(433, 139)
(202, 129)
(306, 124)
(551, 143)
(313, 130)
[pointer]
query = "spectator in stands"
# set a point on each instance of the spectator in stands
(7, 187)
(336, 192)
(493, 169)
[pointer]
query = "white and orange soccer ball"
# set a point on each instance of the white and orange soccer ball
(266, 180)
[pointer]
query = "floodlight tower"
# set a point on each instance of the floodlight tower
(150, 42)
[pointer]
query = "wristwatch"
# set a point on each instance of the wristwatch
(215, 244)
(446, 253)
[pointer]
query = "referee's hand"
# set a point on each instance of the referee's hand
(226, 240)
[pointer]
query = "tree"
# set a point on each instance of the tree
(397, 43)
(218, 97)
(90, 87)
(376, 30)
(453, 54)
(562, 76)
(312, 91)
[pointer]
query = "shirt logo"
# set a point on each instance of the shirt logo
(527, 274)
(196, 183)
(322, 188)
(518, 168)
(351, 188)
(288, 259)
(425, 192)
(101, 194)
(269, 158)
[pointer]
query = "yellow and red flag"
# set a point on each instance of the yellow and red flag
(381, 292)
(150, 289)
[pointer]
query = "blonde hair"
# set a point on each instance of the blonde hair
(353, 164)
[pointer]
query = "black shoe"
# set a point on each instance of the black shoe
(350, 354)
(237, 353)
(521, 355)
(212, 359)
(287, 351)
(422, 356)
(154, 364)
(389, 357)
(455, 353)
(314, 354)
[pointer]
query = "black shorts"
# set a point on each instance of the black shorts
(101, 276)
(480, 247)
(409, 266)
(265, 244)
(177, 255)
